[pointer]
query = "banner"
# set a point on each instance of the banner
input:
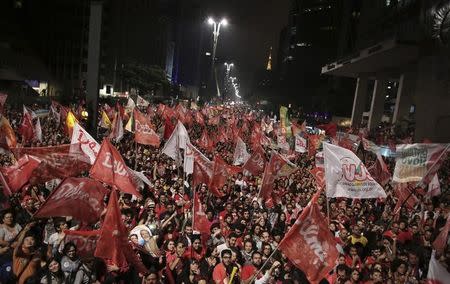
(177, 140)
(346, 176)
(110, 168)
(7, 134)
(89, 145)
(144, 133)
(85, 241)
(284, 122)
(56, 161)
(141, 102)
(300, 144)
(418, 162)
(348, 141)
(278, 166)
(81, 198)
(257, 161)
(310, 245)
(437, 273)
(240, 155)
(17, 175)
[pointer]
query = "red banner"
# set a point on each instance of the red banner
(110, 168)
(85, 241)
(81, 198)
(221, 171)
(255, 165)
(205, 142)
(277, 167)
(200, 222)
(319, 176)
(144, 132)
(56, 162)
(310, 245)
(112, 245)
(18, 175)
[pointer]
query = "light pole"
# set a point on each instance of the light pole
(227, 76)
(216, 32)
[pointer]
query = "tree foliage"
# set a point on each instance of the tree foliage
(144, 78)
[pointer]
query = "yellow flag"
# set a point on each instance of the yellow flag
(105, 122)
(130, 124)
(70, 122)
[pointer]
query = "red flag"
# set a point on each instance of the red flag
(110, 168)
(277, 167)
(221, 171)
(203, 171)
(144, 133)
(200, 222)
(319, 176)
(330, 128)
(168, 128)
(199, 118)
(112, 245)
(295, 129)
(310, 245)
(85, 241)
(440, 242)
(403, 192)
(214, 120)
(379, 171)
(205, 142)
(26, 128)
(18, 175)
(56, 162)
(257, 161)
(313, 144)
(81, 198)
(223, 135)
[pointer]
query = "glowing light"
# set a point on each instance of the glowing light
(211, 21)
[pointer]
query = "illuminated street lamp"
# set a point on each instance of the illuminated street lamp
(216, 32)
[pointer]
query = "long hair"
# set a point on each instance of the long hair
(59, 275)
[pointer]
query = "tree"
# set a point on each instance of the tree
(144, 78)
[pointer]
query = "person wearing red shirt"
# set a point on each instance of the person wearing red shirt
(222, 271)
(249, 270)
(196, 251)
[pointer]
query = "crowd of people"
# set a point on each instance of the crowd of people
(378, 244)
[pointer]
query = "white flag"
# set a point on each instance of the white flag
(437, 273)
(189, 155)
(56, 115)
(240, 155)
(300, 144)
(346, 176)
(130, 105)
(38, 130)
(141, 102)
(434, 187)
(117, 128)
(418, 162)
(176, 141)
(89, 146)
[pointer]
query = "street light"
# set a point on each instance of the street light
(216, 32)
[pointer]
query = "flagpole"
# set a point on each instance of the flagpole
(135, 155)
(328, 211)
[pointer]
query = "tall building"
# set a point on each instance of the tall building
(317, 31)
(400, 66)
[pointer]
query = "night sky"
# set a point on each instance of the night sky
(254, 26)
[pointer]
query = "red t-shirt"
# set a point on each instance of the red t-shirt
(219, 273)
(248, 271)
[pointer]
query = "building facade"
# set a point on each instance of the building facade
(400, 65)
